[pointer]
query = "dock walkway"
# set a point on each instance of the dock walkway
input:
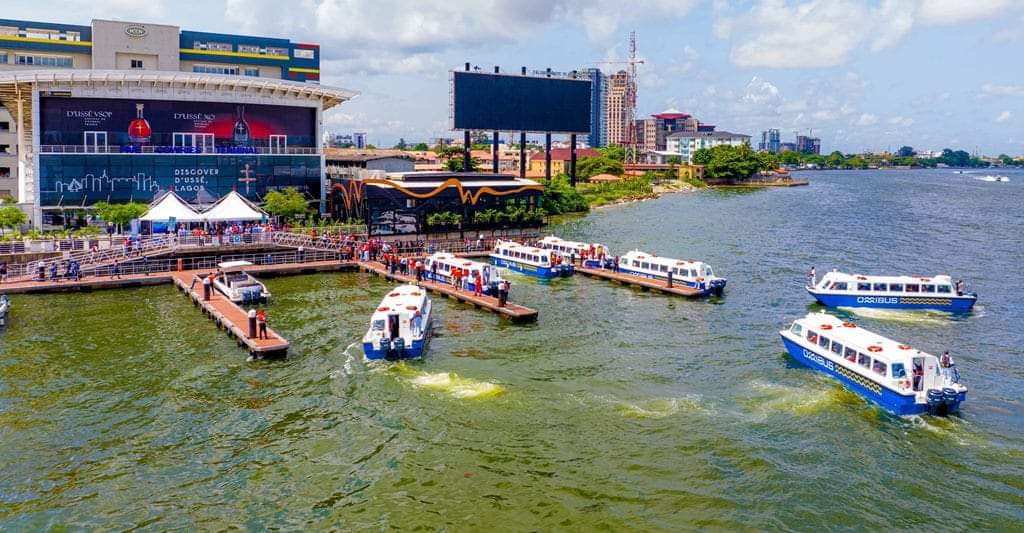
(638, 281)
(514, 312)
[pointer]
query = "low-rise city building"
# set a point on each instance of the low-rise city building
(685, 144)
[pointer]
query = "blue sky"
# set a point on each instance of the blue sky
(863, 75)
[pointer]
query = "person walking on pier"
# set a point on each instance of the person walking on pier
(3, 272)
(145, 264)
(261, 323)
(419, 271)
(115, 270)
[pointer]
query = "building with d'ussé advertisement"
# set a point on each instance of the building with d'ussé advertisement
(199, 114)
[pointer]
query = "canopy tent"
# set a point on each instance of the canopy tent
(233, 207)
(169, 206)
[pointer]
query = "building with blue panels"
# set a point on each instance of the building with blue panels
(598, 136)
(122, 111)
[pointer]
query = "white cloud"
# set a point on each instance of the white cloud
(1003, 90)
(954, 11)
(1004, 117)
(904, 122)
(867, 119)
(760, 91)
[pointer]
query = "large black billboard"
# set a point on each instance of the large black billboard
(137, 125)
(505, 102)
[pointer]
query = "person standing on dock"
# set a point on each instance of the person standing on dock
(615, 267)
(419, 271)
(115, 270)
(145, 264)
(479, 284)
(3, 272)
(261, 323)
(503, 288)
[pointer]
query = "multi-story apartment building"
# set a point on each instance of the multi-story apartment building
(687, 143)
(770, 141)
(119, 111)
(621, 102)
(808, 145)
(598, 135)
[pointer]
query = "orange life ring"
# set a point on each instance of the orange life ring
(924, 279)
(700, 279)
(826, 326)
(862, 278)
(849, 325)
(392, 295)
(411, 307)
(383, 308)
(904, 346)
(874, 349)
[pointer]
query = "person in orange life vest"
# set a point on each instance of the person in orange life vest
(479, 282)
(261, 323)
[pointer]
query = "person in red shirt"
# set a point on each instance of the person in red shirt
(478, 285)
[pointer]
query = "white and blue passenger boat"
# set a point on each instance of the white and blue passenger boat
(694, 274)
(901, 379)
(568, 249)
(838, 289)
(400, 327)
(439, 267)
(531, 260)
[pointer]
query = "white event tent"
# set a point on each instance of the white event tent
(169, 206)
(233, 207)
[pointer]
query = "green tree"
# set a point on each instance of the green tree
(559, 197)
(835, 159)
(767, 161)
(733, 163)
(789, 157)
(856, 161)
(905, 151)
(401, 144)
(371, 147)
(674, 160)
(421, 147)
(454, 164)
(11, 216)
(702, 156)
(286, 204)
(120, 214)
(589, 167)
(614, 151)
(447, 152)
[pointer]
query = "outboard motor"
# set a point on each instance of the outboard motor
(936, 402)
(950, 395)
(398, 346)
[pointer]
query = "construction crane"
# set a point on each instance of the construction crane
(631, 145)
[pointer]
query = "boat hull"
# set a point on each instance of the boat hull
(949, 304)
(489, 290)
(715, 287)
(560, 271)
(888, 399)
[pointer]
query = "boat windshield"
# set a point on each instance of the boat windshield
(377, 325)
(707, 272)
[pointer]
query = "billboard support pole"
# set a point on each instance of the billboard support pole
(572, 160)
(522, 153)
(494, 151)
(547, 156)
(466, 158)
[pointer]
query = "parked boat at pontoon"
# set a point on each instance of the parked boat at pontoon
(838, 289)
(5, 307)
(531, 260)
(901, 379)
(400, 326)
(596, 254)
(237, 285)
(691, 273)
(441, 266)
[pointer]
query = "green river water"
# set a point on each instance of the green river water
(619, 409)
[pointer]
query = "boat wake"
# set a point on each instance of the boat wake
(896, 315)
(992, 178)
(776, 398)
(455, 385)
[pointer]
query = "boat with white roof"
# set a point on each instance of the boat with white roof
(596, 254)
(441, 266)
(531, 260)
(838, 289)
(896, 376)
(691, 273)
(237, 285)
(400, 326)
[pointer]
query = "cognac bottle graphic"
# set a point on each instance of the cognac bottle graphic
(139, 131)
(240, 133)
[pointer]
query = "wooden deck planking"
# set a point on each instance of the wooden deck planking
(639, 281)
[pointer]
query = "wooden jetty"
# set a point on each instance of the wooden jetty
(229, 316)
(514, 312)
(651, 284)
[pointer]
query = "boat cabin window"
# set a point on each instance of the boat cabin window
(928, 288)
(837, 348)
(797, 329)
(913, 287)
(812, 336)
(863, 286)
(945, 289)
(664, 268)
(645, 266)
(823, 342)
(378, 325)
(896, 287)
(878, 367)
(839, 286)
(864, 360)
(898, 371)
(850, 354)
(879, 287)
(707, 271)
(636, 263)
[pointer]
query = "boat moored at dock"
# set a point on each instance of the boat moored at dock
(531, 260)
(400, 326)
(5, 307)
(595, 254)
(694, 274)
(442, 267)
(896, 376)
(237, 285)
(939, 293)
